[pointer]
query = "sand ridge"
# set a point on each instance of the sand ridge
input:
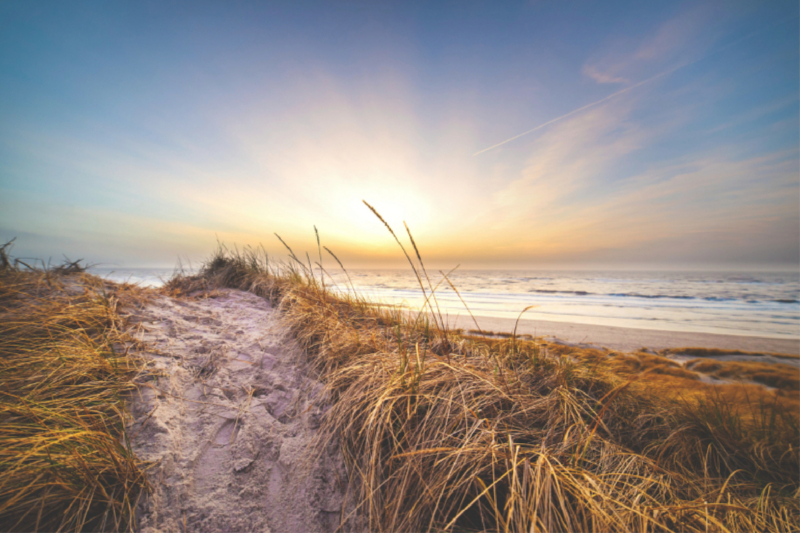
(227, 413)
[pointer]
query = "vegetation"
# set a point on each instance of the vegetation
(64, 460)
(657, 373)
(442, 431)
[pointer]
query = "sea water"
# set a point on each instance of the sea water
(146, 277)
(764, 304)
(757, 304)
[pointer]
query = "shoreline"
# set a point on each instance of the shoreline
(626, 339)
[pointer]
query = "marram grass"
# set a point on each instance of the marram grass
(440, 431)
(443, 432)
(65, 464)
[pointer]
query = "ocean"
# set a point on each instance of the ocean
(762, 304)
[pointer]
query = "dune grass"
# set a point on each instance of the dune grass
(779, 376)
(444, 432)
(715, 352)
(65, 464)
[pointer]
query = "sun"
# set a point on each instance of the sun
(397, 204)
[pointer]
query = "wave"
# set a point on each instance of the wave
(620, 297)
(647, 296)
(548, 291)
(651, 296)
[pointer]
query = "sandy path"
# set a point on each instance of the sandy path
(227, 413)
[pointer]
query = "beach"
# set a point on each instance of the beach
(756, 311)
(627, 339)
(262, 402)
(325, 267)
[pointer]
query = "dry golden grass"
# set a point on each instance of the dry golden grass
(648, 367)
(786, 377)
(446, 432)
(740, 394)
(64, 460)
(712, 352)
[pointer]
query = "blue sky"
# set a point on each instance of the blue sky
(654, 134)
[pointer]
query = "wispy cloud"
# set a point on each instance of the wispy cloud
(602, 77)
(715, 208)
(677, 35)
(681, 39)
(572, 156)
(582, 108)
(666, 40)
(578, 197)
(700, 211)
(624, 156)
(753, 115)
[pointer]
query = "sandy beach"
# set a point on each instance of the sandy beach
(628, 339)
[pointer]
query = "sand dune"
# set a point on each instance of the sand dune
(227, 413)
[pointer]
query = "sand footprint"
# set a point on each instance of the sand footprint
(227, 433)
(242, 361)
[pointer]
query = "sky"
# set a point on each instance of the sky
(505, 134)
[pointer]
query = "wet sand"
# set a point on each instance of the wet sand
(628, 339)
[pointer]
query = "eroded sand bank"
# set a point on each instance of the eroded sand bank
(227, 413)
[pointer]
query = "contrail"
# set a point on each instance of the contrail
(587, 106)
(626, 89)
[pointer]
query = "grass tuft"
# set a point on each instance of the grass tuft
(65, 464)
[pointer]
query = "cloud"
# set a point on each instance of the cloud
(717, 208)
(284, 163)
(601, 77)
(585, 107)
(676, 35)
(752, 115)
(569, 157)
(308, 147)
(681, 39)
(579, 197)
